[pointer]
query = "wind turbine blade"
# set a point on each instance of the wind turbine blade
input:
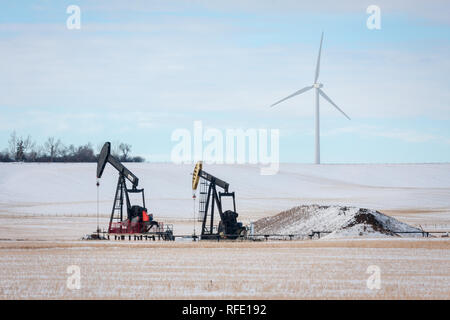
(334, 104)
(293, 95)
(318, 60)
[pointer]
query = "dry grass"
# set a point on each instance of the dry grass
(247, 270)
(424, 243)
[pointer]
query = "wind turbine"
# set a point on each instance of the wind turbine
(318, 86)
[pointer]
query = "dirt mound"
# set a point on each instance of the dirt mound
(333, 221)
(367, 219)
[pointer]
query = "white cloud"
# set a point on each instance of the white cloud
(182, 72)
(436, 10)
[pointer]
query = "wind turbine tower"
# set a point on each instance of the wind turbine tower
(318, 89)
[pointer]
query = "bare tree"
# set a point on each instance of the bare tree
(25, 149)
(12, 145)
(71, 150)
(52, 147)
(125, 149)
(33, 155)
(22, 146)
(85, 154)
(4, 156)
(115, 151)
(20, 151)
(28, 144)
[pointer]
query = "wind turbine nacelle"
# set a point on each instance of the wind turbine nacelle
(317, 85)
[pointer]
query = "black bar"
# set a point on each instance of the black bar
(231, 309)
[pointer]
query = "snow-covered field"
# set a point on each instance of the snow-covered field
(55, 204)
(418, 194)
(408, 269)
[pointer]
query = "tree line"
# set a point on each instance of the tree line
(24, 149)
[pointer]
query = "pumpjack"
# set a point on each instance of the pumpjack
(229, 227)
(138, 219)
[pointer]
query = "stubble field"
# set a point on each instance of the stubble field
(317, 269)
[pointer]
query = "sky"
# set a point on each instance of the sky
(136, 71)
